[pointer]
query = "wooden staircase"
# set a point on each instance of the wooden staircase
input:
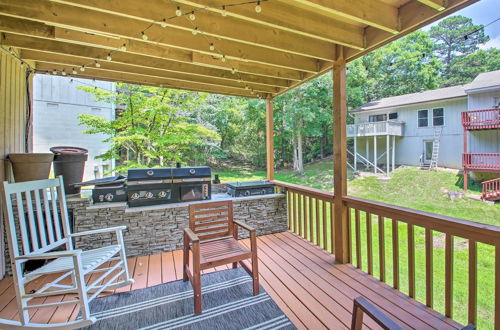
(491, 190)
(436, 140)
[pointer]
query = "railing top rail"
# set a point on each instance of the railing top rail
(481, 154)
(483, 110)
(479, 232)
(305, 190)
(490, 181)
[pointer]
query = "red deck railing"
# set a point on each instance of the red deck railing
(477, 161)
(481, 119)
(491, 189)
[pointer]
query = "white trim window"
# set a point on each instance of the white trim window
(438, 117)
(423, 118)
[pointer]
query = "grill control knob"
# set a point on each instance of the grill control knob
(134, 196)
(192, 171)
(247, 193)
(109, 197)
(150, 173)
(149, 195)
(162, 194)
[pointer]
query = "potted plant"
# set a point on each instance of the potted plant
(30, 166)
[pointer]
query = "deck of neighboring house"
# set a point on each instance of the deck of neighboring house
(303, 280)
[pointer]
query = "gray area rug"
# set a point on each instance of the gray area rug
(228, 303)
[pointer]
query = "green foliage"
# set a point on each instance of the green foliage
(154, 129)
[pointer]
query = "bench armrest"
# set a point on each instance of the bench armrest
(191, 236)
(50, 255)
(99, 231)
(244, 226)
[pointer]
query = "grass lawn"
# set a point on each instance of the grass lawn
(421, 190)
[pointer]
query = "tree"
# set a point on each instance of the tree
(465, 68)
(456, 36)
(154, 129)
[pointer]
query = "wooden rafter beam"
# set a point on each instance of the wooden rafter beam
(374, 13)
(214, 27)
(270, 75)
(122, 27)
(292, 20)
(93, 73)
(439, 5)
(68, 63)
(85, 55)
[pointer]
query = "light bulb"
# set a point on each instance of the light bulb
(258, 8)
(233, 70)
(252, 92)
(108, 57)
(246, 87)
(82, 68)
(63, 73)
(223, 59)
(192, 16)
(212, 47)
(224, 12)
(123, 48)
(74, 71)
(54, 72)
(97, 64)
(178, 12)
(144, 36)
(163, 23)
(195, 31)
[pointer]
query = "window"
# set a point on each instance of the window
(438, 117)
(375, 118)
(393, 115)
(423, 118)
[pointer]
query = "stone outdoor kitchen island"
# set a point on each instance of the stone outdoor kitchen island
(159, 228)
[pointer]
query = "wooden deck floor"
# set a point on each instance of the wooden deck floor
(304, 281)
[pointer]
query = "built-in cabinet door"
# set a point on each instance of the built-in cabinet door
(428, 144)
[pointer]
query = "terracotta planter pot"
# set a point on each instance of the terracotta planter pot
(31, 166)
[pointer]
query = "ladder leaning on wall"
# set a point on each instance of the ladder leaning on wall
(435, 147)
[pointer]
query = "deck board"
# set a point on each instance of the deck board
(302, 279)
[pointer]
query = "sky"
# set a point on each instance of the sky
(484, 12)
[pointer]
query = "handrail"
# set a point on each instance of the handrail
(491, 189)
(306, 190)
(481, 160)
(480, 118)
(479, 232)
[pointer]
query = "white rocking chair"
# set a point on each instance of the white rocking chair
(42, 221)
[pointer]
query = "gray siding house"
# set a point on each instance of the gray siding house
(403, 130)
(57, 102)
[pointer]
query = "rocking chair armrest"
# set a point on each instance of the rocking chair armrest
(244, 226)
(50, 255)
(99, 231)
(191, 236)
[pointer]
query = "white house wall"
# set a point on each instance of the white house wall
(57, 104)
(410, 147)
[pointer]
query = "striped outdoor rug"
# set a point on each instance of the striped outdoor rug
(228, 303)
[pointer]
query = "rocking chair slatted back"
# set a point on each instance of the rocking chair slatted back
(211, 220)
(41, 218)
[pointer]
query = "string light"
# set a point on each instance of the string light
(212, 47)
(144, 36)
(163, 23)
(54, 72)
(63, 72)
(258, 8)
(192, 16)
(233, 70)
(195, 31)
(74, 71)
(178, 12)
(82, 68)
(224, 12)
(97, 64)
(109, 58)
(223, 59)
(123, 48)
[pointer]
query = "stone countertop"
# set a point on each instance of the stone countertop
(215, 198)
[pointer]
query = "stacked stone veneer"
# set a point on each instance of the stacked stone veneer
(159, 228)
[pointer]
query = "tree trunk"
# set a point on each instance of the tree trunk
(300, 159)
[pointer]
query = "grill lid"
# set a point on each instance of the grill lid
(168, 172)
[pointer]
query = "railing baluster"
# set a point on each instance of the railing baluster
(395, 254)
(299, 202)
(411, 261)
(358, 239)
(332, 226)
(304, 216)
(317, 223)
(324, 225)
(349, 233)
(311, 219)
(448, 282)
(295, 219)
(289, 209)
(472, 282)
(428, 267)
(369, 247)
(381, 246)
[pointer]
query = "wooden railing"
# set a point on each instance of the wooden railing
(375, 128)
(483, 161)
(491, 189)
(388, 230)
(481, 119)
(310, 214)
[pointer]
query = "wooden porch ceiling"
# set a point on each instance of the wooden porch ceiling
(234, 50)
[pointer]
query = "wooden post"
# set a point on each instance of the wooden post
(355, 153)
(387, 147)
(393, 152)
(269, 139)
(340, 159)
(465, 151)
(375, 154)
